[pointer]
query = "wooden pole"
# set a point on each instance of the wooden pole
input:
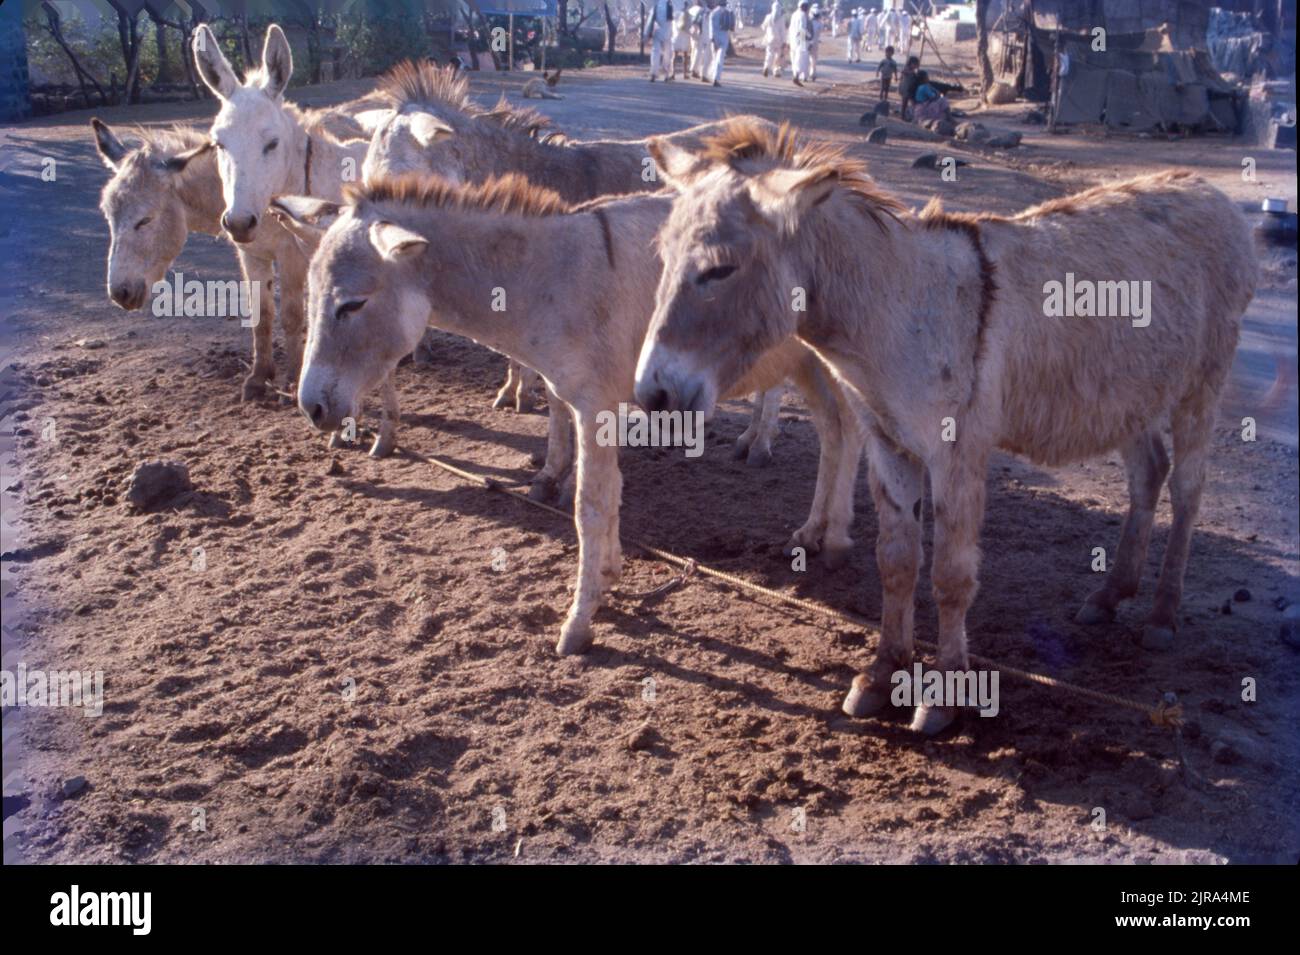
(510, 44)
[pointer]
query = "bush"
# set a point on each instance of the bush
(378, 42)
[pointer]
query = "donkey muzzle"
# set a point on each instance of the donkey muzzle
(127, 295)
(239, 228)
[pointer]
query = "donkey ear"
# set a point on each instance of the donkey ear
(214, 68)
(277, 61)
(784, 195)
(677, 166)
(372, 119)
(396, 243)
(306, 217)
(110, 147)
(178, 162)
(429, 129)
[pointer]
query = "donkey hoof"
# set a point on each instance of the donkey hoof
(383, 446)
(253, 389)
(336, 440)
(574, 639)
(1092, 615)
(758, 458)
(833, 558)
(740, 449)
(1157, 638)
(862, 700)
(932, 720)
(542, 489)
(537, 459)
(502, 402)
(808, 547)
(524, 406)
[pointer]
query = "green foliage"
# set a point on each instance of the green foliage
(378, 42)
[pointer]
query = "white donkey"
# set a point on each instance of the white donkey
(266, 147)
(950, 339)
(578, 285)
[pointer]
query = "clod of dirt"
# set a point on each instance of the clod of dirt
(154, 483)
(877, 136)
(643, 737)
(335, 469)
(73, 786)
(1241, 596)
(1289, 632)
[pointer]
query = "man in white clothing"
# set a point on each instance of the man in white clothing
(774, 40)
(853, 43)
(871, 30)
(659, 31)
(814, 43)
(800, 36)
(721, 22)
(681, 43)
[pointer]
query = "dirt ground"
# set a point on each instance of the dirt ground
(350, 674)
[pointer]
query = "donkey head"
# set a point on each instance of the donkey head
(254, 133)
(146, 216)
(365, 307)
(726, 293)
(401, 141)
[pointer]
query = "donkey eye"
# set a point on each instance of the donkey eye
(143, 222)
(269, 146)
(347, 308)
(714, 274)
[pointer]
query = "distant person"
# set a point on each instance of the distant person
(723, 22)
(915, 87)
(706, 44)
(887, 70)
(698, 12)
(774, 39)
(871, 35)
(800, 37)
(681, 43)
(815, 43)
(905, 30)
(659, 31)
(853, 38)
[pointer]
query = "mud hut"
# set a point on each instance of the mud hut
(1128, 64)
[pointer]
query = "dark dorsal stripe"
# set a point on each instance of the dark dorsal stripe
(306, 169)
(606, 234)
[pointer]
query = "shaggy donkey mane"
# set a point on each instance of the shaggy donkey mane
(511, 194)
(744, 140)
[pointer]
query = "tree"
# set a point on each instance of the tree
(128, 34)
(982, 47)
(54, 23)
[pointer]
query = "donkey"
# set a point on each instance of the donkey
(168, 187)
(577, 288)
(944, 337)
(266, 147)
(431, 126)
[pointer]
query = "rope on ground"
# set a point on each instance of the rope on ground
(1168, 713)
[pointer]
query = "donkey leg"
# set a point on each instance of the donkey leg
(392, 416)
(957, 482)
(527, 381)
(823, 399)
(260, 270)
(1147, 465)
(506, 393)
(594, 511)
(1191, 429)
(897, 486)
(836, 542)
(293, 283)
(558, 465)
(755, 442)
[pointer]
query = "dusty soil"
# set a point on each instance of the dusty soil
(343, 675)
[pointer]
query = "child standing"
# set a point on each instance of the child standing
(887, 70)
